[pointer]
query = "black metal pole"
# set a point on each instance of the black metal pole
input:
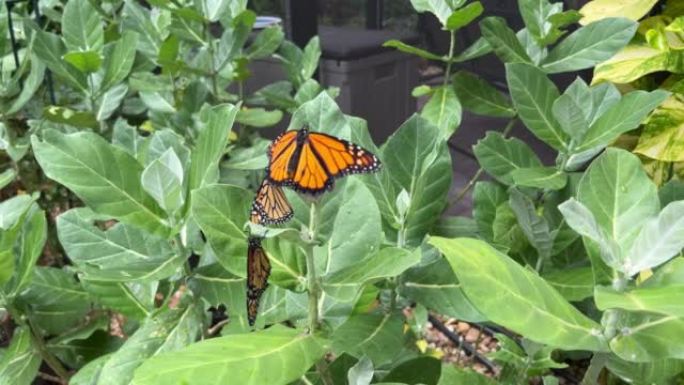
(301, 20)
(13, 39)
(374, 14)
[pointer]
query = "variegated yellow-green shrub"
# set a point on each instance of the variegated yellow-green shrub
(653, 59)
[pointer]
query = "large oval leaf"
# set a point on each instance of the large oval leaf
(105, 177)
(619, 194)
(122, 253)
(517, 298)
(273, 356)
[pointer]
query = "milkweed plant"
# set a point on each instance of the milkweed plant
(131, 156)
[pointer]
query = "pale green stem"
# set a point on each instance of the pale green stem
(312, 280)
(452, 44)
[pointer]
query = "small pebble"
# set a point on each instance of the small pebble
(472, 335)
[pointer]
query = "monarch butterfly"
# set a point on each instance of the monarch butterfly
(258, 270)
(270, 206)
(309, 162)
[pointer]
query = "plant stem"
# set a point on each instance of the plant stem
(596, 365)
(180, 249)
(312, 281)
(49, 359)
(461, 194)
(214, 71)
(452, 43)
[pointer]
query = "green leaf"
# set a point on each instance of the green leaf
(11, 217)
(535, 227)
(12, 210)
(221, 211)
(500, 156)
(105, 177)
(274, 356)
(20, 362)
(621, 117)
(213, 10)
(635, 61)
(663, 371)
(163, 180)
(138, 19)
(659, 240)
(82, 27)
(352, 240)
(536, 15)
(600, 9)
(434, 285)
(372, 335)
(258, 117)
(168, 331)
(133, 299)
(570, 114)
(217, 286)
(6, 177)
(619, 211)
(439, 8)
(119, 60)
(420, 370)
(361, 373)
(573, 284)
(479, 48)
(590, 45)
(64, 115)
(540, 177)
(580, 219)
(530, 307)
(57, 301)
(251, 158)
(533, 95)
(503, 41)
(443, 110)
(663, 135)
(646, 337)
(126, 137)
(388, 262)
(419, 162)
(85, 61)
(403, 47)
(487, 197)
(50, 49)
(31, 84)
(211, 144)
(671, 191)
(662, 300)
(265, 43)
(29, 248)
(310, 57)
(452, 374)
(478, 96)
(110, 101)
(122, 253)
(464, 16)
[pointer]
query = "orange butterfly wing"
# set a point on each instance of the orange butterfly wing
(258, 270)
(270, 205)
(310, 161)
(280, 153)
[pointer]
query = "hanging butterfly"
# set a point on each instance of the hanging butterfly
(310, 162)
(258, 270)
(270, 206)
